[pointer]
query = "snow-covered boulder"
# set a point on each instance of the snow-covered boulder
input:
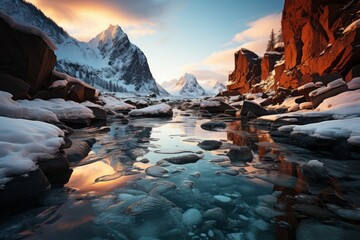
(159, 110)
(333, 88)
(23, 142)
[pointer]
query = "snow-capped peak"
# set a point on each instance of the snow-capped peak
(186, 79)
(187, 86)
(108, 36)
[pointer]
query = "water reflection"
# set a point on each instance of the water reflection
(270, 198)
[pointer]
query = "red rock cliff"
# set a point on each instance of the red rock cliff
(316, 42)
(247, 71)
(321, 40)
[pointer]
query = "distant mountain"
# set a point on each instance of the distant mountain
(187, 86)
(109, 61)
(213, 87)
(218, 87)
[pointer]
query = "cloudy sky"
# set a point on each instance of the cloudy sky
(177, 36)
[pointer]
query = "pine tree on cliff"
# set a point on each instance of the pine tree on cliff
(271, 42)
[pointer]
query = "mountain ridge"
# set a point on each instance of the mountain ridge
(119, 66)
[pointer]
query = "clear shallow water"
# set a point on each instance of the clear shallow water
(110, 196)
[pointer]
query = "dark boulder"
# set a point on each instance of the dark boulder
(213, 125)
(255, 108)
(210, 144)
(79, 150)
(183, 159)
(26, 54)
(16, 86)
(240, 154)
(23, 188)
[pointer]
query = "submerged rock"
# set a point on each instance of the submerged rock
(156, 171)
(184, 159)
(163, 186)
(314, 230)
(210, 144)
(191, 217)
(267, 212)
(149, 205)
(236, 236)
(240, 154)
(222, 198)
(213, 125)
(24, 187)
(216, 214)
(350, 214)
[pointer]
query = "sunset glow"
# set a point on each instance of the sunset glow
(176, 36)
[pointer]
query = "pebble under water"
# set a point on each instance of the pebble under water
(133, 186)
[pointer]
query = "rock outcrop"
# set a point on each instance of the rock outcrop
(321, 40)
(27, 58)
(27, 63)
(318, 40)
(247, 71)
(268, 62)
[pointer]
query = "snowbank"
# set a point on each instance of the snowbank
(153, 110)
(346, 103)
(343, 105)
(22, 142)
(204, 104)
(13, 109)
(64, 110)
(354, 84)
(306, 86)
(334, 129)
(48, 111)
(115, 104)
(334, 84)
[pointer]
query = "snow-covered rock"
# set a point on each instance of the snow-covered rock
(116, 104)
(23, 142)
(109, 61)
(64, 110)
(187, 86)
(159, 110)
(334, 129)
(51, 110)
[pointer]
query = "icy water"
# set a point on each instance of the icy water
(111, 195)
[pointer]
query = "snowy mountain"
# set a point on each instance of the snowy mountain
(213, 87)
(218, 87)
(187, 86)
(109, 61)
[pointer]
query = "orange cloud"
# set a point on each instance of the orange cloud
(84, 19)
(259, 29)
(255, 38)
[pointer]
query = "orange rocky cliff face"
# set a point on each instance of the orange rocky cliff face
(321, 40)
(247, 71)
